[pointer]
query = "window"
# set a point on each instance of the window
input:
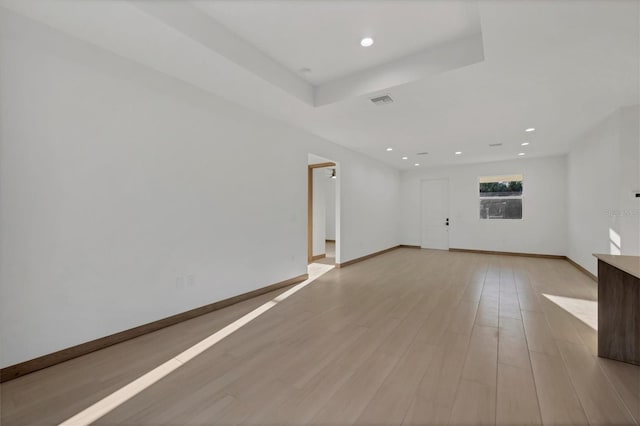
(500, 197)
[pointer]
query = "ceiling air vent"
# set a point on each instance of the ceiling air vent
(495, 144)
(381, 100)
(422, 153)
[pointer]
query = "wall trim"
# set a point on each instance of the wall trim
(581, 269)
(509, 253)
(309, 214)
(44, 361)
(368, 256)
(321, 165)
(544, 256)
(318, 256)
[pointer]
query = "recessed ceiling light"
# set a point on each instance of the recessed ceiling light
(417, 164)
(405, 158)
(389, 149)
(458, 152)
(366, 42)
(524, 143)
(521, 154)
(530, 129)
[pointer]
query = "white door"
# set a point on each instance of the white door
(435, 214)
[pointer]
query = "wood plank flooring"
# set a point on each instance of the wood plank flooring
(411, 337)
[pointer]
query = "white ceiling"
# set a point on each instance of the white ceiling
(325, 36)
(558, 66)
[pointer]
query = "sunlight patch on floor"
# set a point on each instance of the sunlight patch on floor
(585, 310)
(119, 397)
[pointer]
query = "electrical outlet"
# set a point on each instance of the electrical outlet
(191, 280)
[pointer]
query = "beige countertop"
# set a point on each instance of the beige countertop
(628, 264)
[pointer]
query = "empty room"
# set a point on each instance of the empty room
(319, 212)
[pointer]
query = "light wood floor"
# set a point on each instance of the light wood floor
(411, 337)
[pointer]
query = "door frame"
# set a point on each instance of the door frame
(310, 169)
(422, 181)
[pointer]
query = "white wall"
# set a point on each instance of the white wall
(542, 230)
(127, 196)
(603, 172)
(330, 209)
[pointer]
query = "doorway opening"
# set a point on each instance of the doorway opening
(323, 227)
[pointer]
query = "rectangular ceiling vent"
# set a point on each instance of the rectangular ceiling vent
(495, 144)
(381, 100)
(422, 153)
